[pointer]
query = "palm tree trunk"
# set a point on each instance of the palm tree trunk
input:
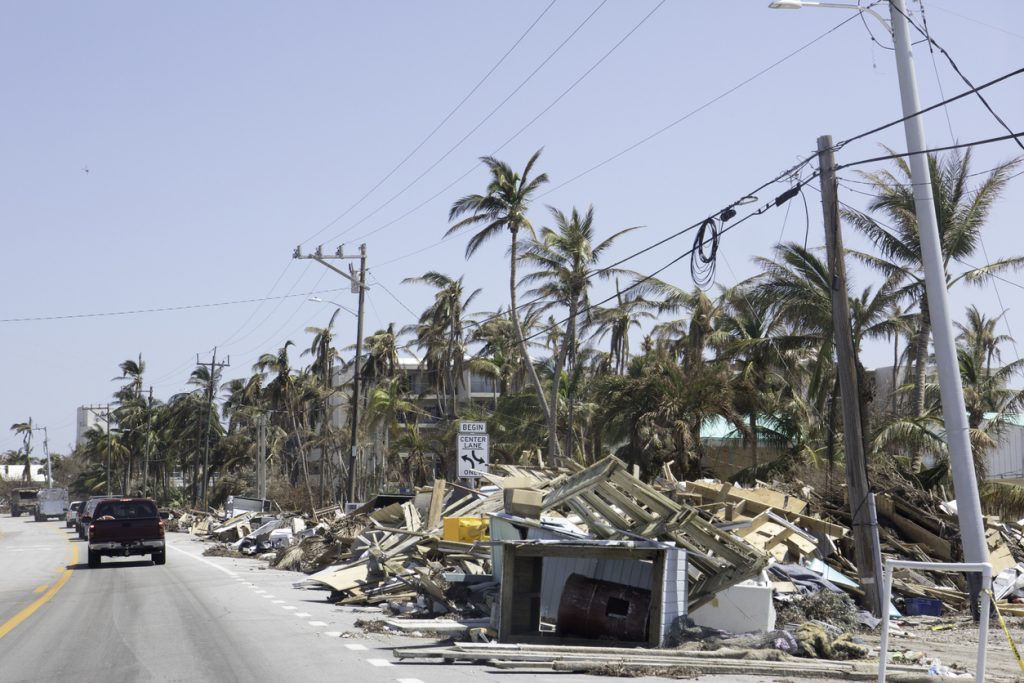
(554, 451)
(305, 465)
(556, 382)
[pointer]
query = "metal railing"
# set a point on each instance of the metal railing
(986, 582)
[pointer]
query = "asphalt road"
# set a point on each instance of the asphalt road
(194, 619)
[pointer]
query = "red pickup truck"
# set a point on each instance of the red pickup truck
(126, 526)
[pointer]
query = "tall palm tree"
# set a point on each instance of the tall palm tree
(503, 207)
(961, 212)
(565, 260)
(25, 430)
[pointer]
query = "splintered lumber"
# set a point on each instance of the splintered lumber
(998, 553)
(616, 505)
(718, 492)
(750, 505)
(436, 504)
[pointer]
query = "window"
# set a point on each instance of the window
(481, 384)
(130, 509)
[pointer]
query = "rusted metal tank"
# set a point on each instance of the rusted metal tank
(592, 608)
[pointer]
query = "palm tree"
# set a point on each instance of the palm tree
(322, 368)
(618, 321)
(961, 213)
(565, 260)
(503, 207)
(25, 430)
(979, 335)
(440, 332)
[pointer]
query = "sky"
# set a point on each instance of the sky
(161, 161)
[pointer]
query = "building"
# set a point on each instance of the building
(87, 419)
(375, 450)
(16, 473)
(1006, 460)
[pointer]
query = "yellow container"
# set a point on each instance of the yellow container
(465, 529)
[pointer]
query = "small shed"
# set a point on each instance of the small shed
(584, 591)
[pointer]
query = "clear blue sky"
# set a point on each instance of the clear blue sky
(161, 155)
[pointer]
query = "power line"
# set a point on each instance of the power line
(935, 68)
(698, 109)
(546, 109)
(972, 91)
(615, 156)
(439, 125)
(162, 309)
(465, 137)
(897, 155)
(959, 73)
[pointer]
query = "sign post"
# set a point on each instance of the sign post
(473, 449)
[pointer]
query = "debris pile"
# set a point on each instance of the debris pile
(521, 561)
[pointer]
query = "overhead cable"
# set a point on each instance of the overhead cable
(475, 128)
(438, 126)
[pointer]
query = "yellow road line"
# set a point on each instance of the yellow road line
(41, 588)
(24, 614)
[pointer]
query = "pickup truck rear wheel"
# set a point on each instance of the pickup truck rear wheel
(94, 559)
(160, 557)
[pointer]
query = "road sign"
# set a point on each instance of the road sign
(472, 427)
(473, 454)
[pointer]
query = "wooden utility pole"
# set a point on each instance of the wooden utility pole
(214, 367)
(862, 502)
(358, 285)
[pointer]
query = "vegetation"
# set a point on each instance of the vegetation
(559, 377)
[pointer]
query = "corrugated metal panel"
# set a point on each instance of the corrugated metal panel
(1007, 458)
(628, 572)
(556, 571)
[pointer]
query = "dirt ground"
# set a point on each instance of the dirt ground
(954, 641)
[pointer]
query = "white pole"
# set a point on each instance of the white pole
(954, 414)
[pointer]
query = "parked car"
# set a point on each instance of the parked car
(126, 526)
(71, 516)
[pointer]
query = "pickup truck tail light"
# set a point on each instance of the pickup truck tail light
(92, 528)
(161, 528)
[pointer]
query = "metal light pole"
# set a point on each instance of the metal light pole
(954, 414)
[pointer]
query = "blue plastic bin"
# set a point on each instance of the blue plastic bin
(928, 607)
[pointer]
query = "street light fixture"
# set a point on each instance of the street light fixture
(318, 300)
(954, 414)
(800, 4)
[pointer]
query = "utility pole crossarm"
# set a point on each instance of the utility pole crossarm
(320, 258)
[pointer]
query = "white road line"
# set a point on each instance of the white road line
(318, 623)
(355, 646)
(409, 680)
(268, 596)
(215, 566)
(259, 591)
(332, 634)
(303, 615)
(289, 607)
(278, 602)
(379, 662)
